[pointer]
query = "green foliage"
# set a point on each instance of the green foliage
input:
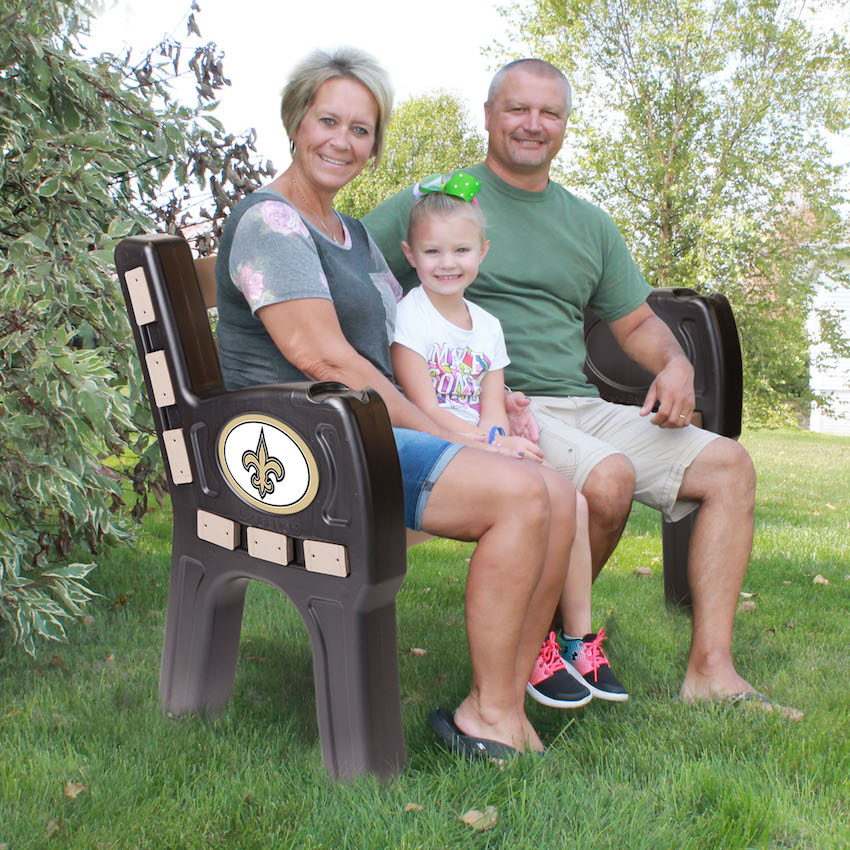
(85, 147)
(701, 126)
(428, 134)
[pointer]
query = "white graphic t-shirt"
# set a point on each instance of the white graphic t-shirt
(457, 359)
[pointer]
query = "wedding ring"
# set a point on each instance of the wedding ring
(682, 416)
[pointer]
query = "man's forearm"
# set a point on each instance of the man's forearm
(651, 344)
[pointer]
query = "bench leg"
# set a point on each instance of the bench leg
(358, 700)
(676, 538)
(201, 639)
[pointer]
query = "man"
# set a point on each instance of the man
(551, 255)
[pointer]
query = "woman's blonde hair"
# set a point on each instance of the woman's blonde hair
(343, 63)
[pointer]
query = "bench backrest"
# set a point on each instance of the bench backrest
(205, 270)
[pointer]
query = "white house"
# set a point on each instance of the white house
(832, 375)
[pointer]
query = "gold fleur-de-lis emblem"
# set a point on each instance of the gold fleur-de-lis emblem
(265, 467)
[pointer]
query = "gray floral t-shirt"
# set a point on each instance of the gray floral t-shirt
(269, 254)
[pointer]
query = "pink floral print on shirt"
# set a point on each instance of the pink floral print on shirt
(283, 219)
(250, 282)
(388, 280)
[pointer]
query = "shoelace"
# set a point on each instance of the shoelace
(550, 653)
(595, 654)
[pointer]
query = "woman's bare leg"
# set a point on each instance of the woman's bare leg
(544, 600)
(506, 506)
(562, 506)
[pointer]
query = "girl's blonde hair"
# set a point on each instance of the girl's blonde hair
(440, 205)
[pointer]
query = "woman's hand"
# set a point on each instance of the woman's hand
(521, 450)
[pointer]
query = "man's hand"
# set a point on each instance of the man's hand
(520, 417)
(673, 391)
(651, 344)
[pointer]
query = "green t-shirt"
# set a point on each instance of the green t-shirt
(551, 255)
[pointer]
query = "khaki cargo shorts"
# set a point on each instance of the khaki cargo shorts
(577, 433)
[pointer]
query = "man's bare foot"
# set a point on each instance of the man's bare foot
(713, 677)
(694, 688)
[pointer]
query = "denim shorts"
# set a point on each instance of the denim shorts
(423, 458)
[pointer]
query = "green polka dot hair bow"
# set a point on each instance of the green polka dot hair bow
(460, 184)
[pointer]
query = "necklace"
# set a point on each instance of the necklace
(312, 211)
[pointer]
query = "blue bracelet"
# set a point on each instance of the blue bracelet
(494, 431)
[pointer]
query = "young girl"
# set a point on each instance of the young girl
(449, 357)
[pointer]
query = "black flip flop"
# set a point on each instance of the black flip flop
(442, 722)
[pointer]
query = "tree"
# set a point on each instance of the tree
(428, 134)
(701, 126)
(86, 149)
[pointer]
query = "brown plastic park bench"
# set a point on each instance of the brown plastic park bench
(299, 486)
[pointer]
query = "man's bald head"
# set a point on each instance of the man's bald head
(532, 66)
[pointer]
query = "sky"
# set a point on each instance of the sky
(262, 41)
(425, 46)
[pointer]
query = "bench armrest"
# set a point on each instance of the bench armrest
(705, 328)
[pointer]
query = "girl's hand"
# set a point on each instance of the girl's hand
(529, 450)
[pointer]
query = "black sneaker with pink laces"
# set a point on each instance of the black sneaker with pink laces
(585, 661)
(551, 683)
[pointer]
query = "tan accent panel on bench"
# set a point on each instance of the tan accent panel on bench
(328, 558)
(140, 296)
(219, 530)
(178, 456)
(205, 270)
(269, 546)
(163, 391)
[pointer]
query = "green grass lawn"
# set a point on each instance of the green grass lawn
(650, 773)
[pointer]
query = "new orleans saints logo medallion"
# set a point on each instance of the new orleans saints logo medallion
(267, 464)
(267, 468)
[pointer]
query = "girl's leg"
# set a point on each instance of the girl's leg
(587, 660)
(575, 598)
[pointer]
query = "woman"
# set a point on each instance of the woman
(305, 294)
